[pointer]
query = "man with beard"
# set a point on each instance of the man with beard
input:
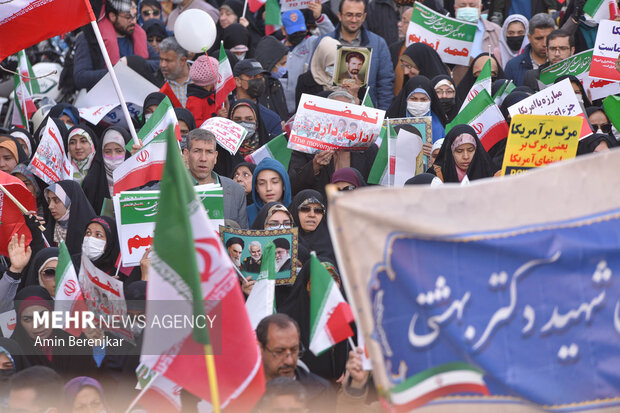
(252, 263)
(283, 257)
(354, 61)
(235, 247)
(123, 39)
(174, 67)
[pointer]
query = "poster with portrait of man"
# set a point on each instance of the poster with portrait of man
(352, 65)
(245, 248)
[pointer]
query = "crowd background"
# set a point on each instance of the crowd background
(271, 72)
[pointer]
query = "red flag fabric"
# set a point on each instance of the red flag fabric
(11, 218)
(167, 90)
(27, 22)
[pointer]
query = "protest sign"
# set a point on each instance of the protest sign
(452, 39)
(229, 134)
(246, 246)
(352, 65)
(324, 124)
(50, 162)
(136, 212)
(536, 140)
(406, 149)
(104, 297)
(558, 100)
(606, 51)
(513, 298)
(8, 322)
(579, 65)
(95, 114)
(286, 5)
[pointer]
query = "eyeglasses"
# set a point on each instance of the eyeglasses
(49, 272)
(276, 224)
(149, 13)
(282, 353)
(604, 127)
(128, 16)
(347, 188)
(558, 49)
(317, 210)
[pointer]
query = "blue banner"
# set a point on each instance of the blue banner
(537, 309)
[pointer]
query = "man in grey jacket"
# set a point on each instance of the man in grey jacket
(201, 157)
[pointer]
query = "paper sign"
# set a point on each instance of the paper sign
(8, 322)
(286, 5)
(228, 134)
(536, 140)
(557, 100)
(324, 124)
(452, 39)
(136, 212)
(606, 51)
(579, 65)
(50, 162)
(94, 114)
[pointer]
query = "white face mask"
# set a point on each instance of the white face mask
(147, 116)
(93, 247)
(418, 108)
(468, 14)
(112, 162)
(330, 70)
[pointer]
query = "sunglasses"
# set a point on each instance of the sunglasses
(307, 209)
(347, 188)
(49, 272)
(605, 127)
(149, 13)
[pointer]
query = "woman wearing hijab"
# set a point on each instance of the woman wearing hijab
(25, 175)
(462, 155)
(420, 59)
(11, 153)
(43, 270)
(151, 101)
(597, 142)
(110, 153)
(418, 98)
(446, 92)
(67, 113)
(330, 364)
(242, 174)
(347, 179)
(100, 244)
(309, 211)
(321, 73)
(12, 360)
(513, 38)
(67, 361)
(476, 66)
(187, 123)
(270, 183)
(84, 394)
(25, 139)
(70, 214)
(81, 147)
(237, 39)
(580, 92)
(599, 121)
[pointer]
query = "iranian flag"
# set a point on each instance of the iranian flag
(11, 219)
(484, 116)
(188, 267)
(68, 296)
(275, 149)
(25, 86)
(163, 117)
(483, 82)
(330, 314)
(225, 81)
(443, 380)
(367, 100)
(384, 165)
(27, 22)
(597, 10)
(147, 164)
(158, 393)
(503, 91)
(273, 19)
(261, 301)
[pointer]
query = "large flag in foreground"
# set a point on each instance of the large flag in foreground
(516, 297)
(190, 277)
(26, 22)
(12, 220)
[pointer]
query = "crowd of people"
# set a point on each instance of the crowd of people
(271, 72)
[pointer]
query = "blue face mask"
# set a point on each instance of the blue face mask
(282, 70)
(468, 14)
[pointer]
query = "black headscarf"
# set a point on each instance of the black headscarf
(469, 79)
(65, 109)
(186, 116)
(331, 363)
(21, 154)
(319, 239)
(107, 261)
(33, 353)
(23, 132)
(95, 185)
(426, 59)
(37, 262)
(574, 80)
(248, 198)
(10, 346)
(454, 109)
(261, 217)
(513, 98)
(589, 144)
(80, 214)
(235, 35)
(398, 108)
(481, 165)
(151, 99)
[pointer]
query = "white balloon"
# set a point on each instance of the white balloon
(194, 29)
